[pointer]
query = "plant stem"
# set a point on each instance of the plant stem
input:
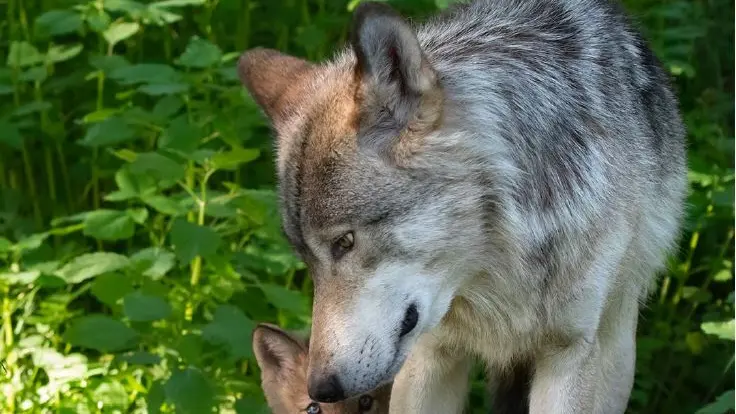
(196, 265)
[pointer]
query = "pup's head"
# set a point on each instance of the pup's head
(283, 359)
(367, 201)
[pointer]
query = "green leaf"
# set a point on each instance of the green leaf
(35, 74)
(134, 185)
(139, 215)
(283, 298)
(153, 262)
(722, 405)
(119, 31)
(177, 3)
(20, 278)
(200, 53)
(190, 240)
(90, 265)
(98, 20)
(251, 405)
(113, 130)
(31, 108)
(157, 166)
(231, 160)
(724, 275)
(23, 54)
(108, 64)
(180, 136)
(109, 288)
(231, 328)
(57, 22)
(723, 330)
(31, 242)
(146, 73)
(165, 205)
(140, 307)
(58, 54)
(101, 333)
(109, 225)
(162, 89)
(5, 245)
(155, 398)
(190, 392)
(167, 107)
(11, 135)
(141, 358)
(111, 394)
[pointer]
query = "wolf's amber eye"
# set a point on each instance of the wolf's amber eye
(365, 403)
(313, 408)
(343, 245)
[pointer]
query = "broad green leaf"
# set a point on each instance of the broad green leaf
(98, 20)
(232, 329)
(722, 405)
(190, 391)
(31, 108)
(232, 159)
(163, 89)
(10, 135)
(155, 398)
(35, 74)
(6, 89)
(157, 166)
(200, 53)
(31, 242)
(141, 358)
(90, 265)
(139, 215)
(724, 275)
(109, 225)
(111, 394)
(134, 185)
(165, 205)
(23, 54)
(251, 405)
(140, 307)
(119, 31)
(58, 54)
(283, 298)
(177, 3)
(153, 262)
(146, 73)
(20, 278)
(723, 330)
(180, 136)
(114, 130)
(190, 240)
(100, 332)
(168, 106)
(5, 245)
(109, 288)
(108, 64)
(57, 22)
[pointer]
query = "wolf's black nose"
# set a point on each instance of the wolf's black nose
(411, 317)
(326, 390)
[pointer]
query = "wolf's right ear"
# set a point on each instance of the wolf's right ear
(395, 72)
(276, 350)
(273, 80)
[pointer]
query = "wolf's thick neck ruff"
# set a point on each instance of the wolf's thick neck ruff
(503, 181)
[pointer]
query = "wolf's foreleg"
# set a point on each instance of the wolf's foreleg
(433, 380)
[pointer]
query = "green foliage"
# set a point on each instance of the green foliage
(139, 229)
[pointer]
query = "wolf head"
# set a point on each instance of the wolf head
(283, 359)
(370, 198)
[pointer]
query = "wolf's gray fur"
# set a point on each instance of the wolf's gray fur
(513, 168)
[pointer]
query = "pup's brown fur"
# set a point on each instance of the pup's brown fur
(283, 359)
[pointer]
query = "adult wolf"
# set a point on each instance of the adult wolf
(501, 182)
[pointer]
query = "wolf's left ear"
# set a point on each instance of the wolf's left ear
(277, 352)
(394, 68)
(274, 80)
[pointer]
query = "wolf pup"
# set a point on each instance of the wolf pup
(283, 359)
(502, 182)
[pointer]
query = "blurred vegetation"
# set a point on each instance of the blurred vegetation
(139, 234)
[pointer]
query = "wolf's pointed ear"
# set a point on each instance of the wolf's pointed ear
(396, 73)
(272, 78)
(276, 350)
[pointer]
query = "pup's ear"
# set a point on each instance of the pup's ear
(273, 79)
(396, 73)
(277, 351)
